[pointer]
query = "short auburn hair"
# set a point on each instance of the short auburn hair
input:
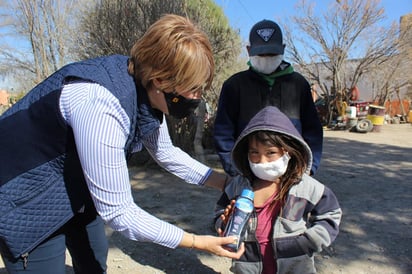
(175, 51)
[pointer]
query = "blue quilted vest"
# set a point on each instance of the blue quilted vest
(41, 180)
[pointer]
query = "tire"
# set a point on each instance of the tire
(364, 126)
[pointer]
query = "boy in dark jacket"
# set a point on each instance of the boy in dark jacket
(270, 81)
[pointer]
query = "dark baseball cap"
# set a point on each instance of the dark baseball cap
(266, 38)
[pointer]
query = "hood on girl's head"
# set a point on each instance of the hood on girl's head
(270, 119)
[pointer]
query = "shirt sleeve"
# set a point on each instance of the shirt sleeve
(173, 159)
(100, 127)
(312, 131)
(322, 226)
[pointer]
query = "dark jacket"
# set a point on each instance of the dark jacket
(41, 180)
(308, 221)
(245, 93)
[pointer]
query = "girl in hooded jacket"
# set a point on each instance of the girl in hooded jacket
(295, 215)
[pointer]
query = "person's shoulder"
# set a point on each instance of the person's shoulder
(299, 77)
(235, 186)
(241, 77)
(116, 57)
(240, 74)
(309, 187)
(286, 66)
(306, 178)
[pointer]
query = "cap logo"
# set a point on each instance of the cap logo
(265, 34)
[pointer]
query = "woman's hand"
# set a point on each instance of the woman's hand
(212, 244)
(217, 246)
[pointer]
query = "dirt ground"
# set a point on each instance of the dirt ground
(370, 173)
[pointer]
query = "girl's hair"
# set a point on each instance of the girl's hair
(175, 51)
(297, 164)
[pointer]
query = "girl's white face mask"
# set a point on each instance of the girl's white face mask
(265, 64)
(272, 170)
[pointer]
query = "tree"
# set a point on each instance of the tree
(112, 26)
(42, 27)
(109, 27)
(343, 45)
(396, 73)
(226, 48)
(225, 42)
(57, 32)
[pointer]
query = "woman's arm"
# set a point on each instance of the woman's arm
(100, 127)
(211, 244)
(178, 162)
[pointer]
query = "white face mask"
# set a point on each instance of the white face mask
(272, 170)
(266, 64)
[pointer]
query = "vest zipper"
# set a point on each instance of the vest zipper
(25, 257)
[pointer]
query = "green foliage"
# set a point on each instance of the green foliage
(226, 42)
(14, 98)
(112, 27)
(108, 27)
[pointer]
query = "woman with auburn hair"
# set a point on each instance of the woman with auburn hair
(65, 147)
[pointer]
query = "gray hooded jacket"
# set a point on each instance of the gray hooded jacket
(308, 221)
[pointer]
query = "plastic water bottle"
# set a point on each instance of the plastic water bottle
(237, 224)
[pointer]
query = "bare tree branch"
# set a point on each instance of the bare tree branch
(44, 28)
(344, 45)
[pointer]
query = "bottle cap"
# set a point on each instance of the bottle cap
(248, 194)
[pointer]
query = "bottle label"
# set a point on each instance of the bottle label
(238, 221)
(236, 227)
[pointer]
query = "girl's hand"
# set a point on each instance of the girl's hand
(226, 215)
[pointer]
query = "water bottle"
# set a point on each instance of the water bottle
(237, 224)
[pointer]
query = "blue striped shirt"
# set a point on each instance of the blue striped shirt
(101, 127)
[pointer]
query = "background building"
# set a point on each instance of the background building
(4, 98)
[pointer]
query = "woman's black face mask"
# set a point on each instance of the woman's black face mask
(180, 106)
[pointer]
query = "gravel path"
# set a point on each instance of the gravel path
(370, 173)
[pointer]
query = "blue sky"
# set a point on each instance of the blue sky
(243, 14)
